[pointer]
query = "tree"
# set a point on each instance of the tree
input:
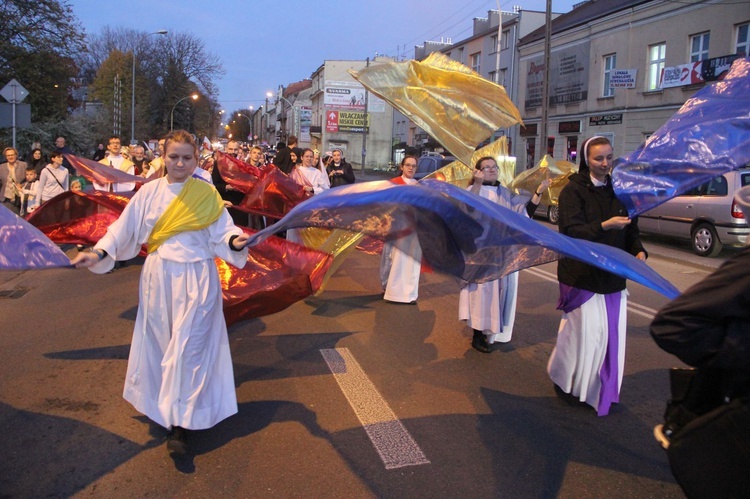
(168, 69)
(39, 41)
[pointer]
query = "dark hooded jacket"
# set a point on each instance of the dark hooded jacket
(583, 208)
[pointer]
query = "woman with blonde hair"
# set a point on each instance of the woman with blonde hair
(180, 368)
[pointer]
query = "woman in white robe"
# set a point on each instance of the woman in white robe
(180, 368)
(312, 180)
(489, 308)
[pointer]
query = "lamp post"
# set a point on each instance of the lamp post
(285, 125)
(265, 130)
(132, 94)
(171, 115)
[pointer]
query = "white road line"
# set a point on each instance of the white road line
(633, 307)
(388, 435)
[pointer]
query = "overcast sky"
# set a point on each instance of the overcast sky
(262, 46)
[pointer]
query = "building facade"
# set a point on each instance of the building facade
(621, 69)
(338, 117)
(492, 52)
(293, 112)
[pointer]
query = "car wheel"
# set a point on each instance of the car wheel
(705, 240)
(553, 214)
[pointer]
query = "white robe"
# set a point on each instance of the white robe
(401, 264)
(576, 361)
(400, 267)
(310, 176)
(115, 162)
(180, 367)
(490, 306)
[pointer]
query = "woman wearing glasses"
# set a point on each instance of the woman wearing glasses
(489, 308)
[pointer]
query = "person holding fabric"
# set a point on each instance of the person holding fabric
(311, 179)
(180, 368)
(116, 160)
(589, 357)
(156, 166)
(489, 308)
(401, 261)
(228, 193)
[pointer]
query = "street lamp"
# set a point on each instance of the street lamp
(171, 115)
(132, 94)
(265, 129)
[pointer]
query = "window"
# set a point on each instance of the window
(610, 63)
(492, 76)
(501, 77)
(494, 47)
(475, 61)
(461, 55)
(743, 40)
(699, 47)
(656, 57)
(506, 39)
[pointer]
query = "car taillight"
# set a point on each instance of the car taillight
(736, 211)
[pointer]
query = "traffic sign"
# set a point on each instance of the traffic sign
(14, 92)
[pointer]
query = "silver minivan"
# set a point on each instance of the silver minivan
(707, 215)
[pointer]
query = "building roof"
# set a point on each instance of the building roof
(582, 14)
(297, 87)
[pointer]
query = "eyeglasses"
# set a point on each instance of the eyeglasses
(489, 168)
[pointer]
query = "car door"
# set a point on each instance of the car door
(675, 217)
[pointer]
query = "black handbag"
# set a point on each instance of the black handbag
(707, 435)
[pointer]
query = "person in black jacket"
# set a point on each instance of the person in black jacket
(589, 356)
(283, 159)
(708, 328)
(227, 192)
(339, 171)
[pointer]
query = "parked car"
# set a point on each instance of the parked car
(431, 163)
(706, 215)
(549, 211)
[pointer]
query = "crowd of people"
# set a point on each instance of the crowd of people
(586, 364)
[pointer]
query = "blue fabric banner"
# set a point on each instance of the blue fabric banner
(24, 247)
(460, 233)
(708, 136)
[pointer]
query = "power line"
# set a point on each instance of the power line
(432, 29)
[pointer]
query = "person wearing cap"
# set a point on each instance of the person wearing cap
(708, 327)
(588, 360)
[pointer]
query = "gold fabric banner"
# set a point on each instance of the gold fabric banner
(449, 101)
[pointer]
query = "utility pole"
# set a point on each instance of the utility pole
(364, 127)
(545, 86)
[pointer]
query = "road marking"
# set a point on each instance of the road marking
(633, 307)
(388, 435)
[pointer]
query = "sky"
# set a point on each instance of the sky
(263, 45)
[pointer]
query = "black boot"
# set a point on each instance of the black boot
(479, 342)
(177, 440)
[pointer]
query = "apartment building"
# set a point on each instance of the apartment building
(344, 116)
(491, 51)
(621, 69)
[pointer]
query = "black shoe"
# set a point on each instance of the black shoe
(479, 342)
(177, 440)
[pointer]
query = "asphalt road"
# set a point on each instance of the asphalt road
(466, 424)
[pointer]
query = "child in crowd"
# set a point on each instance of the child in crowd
(28, 191)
